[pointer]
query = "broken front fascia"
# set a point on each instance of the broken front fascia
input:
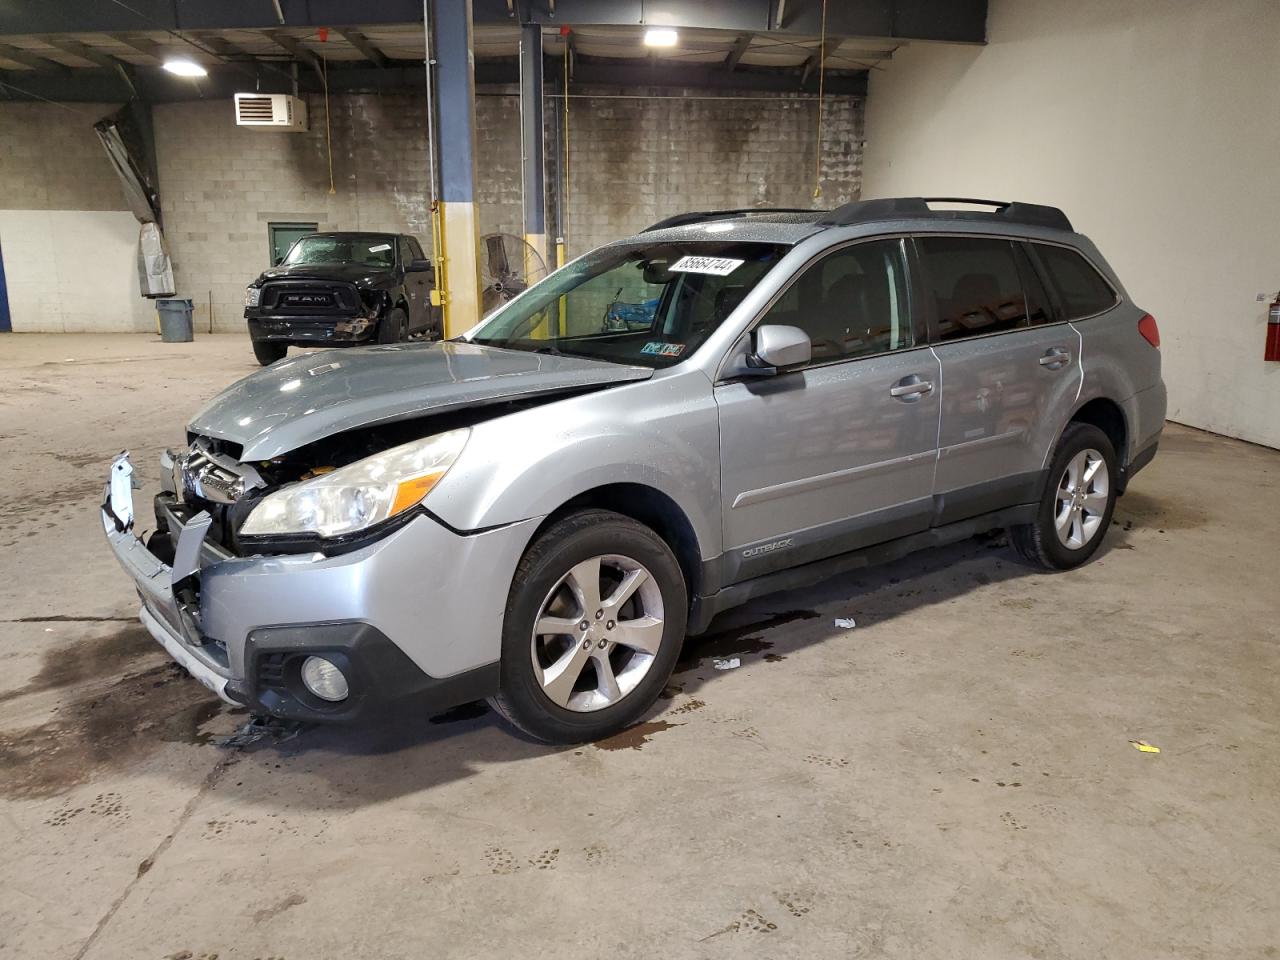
(169, 620)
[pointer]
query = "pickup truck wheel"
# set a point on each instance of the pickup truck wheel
(594, 623)
(268, 351)
(1078, 501)
(394, 327)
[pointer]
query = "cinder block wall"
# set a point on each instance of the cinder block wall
(634, 156)
(67, 238)
(50, 158)
(221, 185)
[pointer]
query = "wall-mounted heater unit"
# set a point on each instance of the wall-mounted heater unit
(271, 111)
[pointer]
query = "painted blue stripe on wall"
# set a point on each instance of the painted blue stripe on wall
(5, 325)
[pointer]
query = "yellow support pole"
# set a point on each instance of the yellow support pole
(460, 243)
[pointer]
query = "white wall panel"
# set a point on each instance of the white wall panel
(1156, 126)
(73, 271)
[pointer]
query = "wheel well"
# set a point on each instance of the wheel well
(655, 510)
(1107, 416)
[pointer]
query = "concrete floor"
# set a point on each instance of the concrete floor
(953, 777)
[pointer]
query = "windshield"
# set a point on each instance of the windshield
(371, 251)
(650, 305)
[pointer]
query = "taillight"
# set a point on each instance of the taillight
(1150, 332)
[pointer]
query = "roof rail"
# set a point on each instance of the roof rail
(897, 208)
(680, 219)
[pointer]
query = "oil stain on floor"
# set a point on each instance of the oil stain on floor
(101, 722)
(738, 641)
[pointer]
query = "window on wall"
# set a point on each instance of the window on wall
(281, 236)
(1081, 289)
(976, 286)
(851, 303)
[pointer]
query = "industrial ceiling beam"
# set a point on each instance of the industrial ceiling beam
(956, 21)
(740, 46)
(294, 48)
(365, 47)
(817, 60)
(147, 48)
(33, 60)
(86, 85)
(219, 47)
(78, 49)
(120, 68)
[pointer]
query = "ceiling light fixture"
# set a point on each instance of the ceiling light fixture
(660, 37)
(183, 67)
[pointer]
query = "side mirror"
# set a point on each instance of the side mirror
(781, 347)
(418, 266)
(276, 261)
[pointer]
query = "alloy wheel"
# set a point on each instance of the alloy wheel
(597, 633)
(1083, 494)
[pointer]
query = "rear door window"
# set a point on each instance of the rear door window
(852, 303)
(1082, 291)
(976, 286)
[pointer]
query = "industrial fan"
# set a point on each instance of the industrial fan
(508, 265)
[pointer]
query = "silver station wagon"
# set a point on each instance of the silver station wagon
(727, 404)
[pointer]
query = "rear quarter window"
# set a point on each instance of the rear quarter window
(1082, 290)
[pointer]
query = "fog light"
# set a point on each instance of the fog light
(324, 679)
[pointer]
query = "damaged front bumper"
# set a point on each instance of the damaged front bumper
(313, 330)
(410, 615)
(173, 622)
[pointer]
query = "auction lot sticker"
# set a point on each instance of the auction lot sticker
(719, 266)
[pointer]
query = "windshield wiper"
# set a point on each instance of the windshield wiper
(549, 348)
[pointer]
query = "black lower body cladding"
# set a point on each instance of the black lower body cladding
(380, 676)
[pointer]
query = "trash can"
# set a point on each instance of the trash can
(175, 321)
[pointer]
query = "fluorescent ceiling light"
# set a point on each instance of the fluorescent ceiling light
(185, 68)
(660, 37)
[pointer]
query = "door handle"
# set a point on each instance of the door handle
(1055, 358)
(910, 388)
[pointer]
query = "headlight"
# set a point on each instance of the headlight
(360, 494)
(252, 296)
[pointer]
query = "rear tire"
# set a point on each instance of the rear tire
(1078, 501)
(268, 351)
(394, 327)
(571, 684)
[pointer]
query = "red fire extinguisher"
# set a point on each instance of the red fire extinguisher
(1273, 329)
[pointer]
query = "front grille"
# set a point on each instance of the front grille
(271, 671)
(310, 298)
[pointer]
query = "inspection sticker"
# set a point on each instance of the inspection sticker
(659, 349)
(380, 247)
(720, 266)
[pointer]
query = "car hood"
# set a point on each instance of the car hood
(361, 274)
(316, 395)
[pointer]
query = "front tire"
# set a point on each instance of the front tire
(268, 351)
(394, 327)
(1078, 501)
(595, 618)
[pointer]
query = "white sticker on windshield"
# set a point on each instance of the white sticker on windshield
(720, 266)
(380, 247)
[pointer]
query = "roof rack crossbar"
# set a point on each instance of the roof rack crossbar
(699, 216)
(894, 208)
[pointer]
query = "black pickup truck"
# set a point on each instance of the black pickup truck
(337, 289)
